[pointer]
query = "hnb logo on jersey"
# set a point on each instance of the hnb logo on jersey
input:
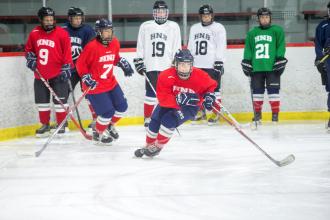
(263, 38)
(106, 58)
(182, 89)
(76, 40)
(46, 42)
(158, 36)
(202, 35)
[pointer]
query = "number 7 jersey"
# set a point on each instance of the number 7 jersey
(157, 44)
(99, 61)
(263, 46)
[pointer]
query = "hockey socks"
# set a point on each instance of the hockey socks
(44, 113)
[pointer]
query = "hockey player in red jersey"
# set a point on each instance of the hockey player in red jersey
(48, 50)
(95, 66)
(181, 90)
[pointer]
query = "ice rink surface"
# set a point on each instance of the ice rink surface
(208, 173)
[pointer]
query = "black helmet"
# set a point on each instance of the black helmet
(183, 55)
(264, 11)
(328, 6)
(101, 24)
(206, 10)
(73, 11)
(158, 6)
(45, 11)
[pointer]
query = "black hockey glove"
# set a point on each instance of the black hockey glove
(209, 99)
(89, 81)
(139, 66)
(65, 72)
(321, 67)
(125, 66)
(247, 67)
(31, 61)
(218, 67)
(279, 65)
(183, 99)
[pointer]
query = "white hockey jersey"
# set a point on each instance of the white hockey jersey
(157, 44)
(207, 44)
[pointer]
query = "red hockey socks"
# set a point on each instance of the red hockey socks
(44, 112)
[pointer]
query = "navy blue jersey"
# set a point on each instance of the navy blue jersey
(322, 37)
(79, 38)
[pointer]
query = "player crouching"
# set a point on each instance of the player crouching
(95, 66)
(181, 90)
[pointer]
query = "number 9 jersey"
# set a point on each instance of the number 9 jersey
(52, 49)
(99, 61)
(263, 46)
(157, 44)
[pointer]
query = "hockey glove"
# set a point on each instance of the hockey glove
(247, 67)
(31, 61)
(218, 67)
(125, 66)
(279, 65)
(89, 81)
(321, 67)
(65, 72)
(209, 99)
(139, 66)
(183, 99)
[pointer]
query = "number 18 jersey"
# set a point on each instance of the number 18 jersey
(207, 44)
(263, 46)
(157, 44)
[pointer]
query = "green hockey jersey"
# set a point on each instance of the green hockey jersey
(263, 46)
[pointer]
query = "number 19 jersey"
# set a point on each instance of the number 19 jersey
(263, 46)
(207, 44)
(157, 44)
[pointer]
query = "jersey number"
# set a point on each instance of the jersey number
(107, 68)
(262, 51)
(201, 47)
(158, 49)
(43, 56)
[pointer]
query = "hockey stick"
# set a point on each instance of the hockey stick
(74, 102)
(69, 112)
(324, 58)
(286, 161)
(153, 89)
(253, 107)
(222, 108)
(87, 136)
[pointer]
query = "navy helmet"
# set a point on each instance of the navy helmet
(100, 25)
(185, 56)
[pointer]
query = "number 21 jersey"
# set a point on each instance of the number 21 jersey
(263, 46)
(157, 44)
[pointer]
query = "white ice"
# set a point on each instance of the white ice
(208, 173)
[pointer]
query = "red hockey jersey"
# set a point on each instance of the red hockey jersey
(169, 85)
(99, 61)
(52, 49)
